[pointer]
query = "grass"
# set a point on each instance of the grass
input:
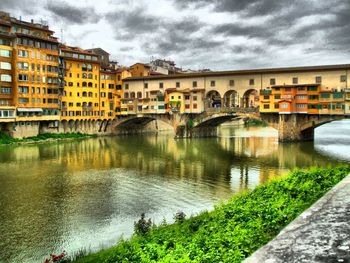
(6, 139)
(232, 231)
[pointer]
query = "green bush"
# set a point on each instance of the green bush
(232, 231)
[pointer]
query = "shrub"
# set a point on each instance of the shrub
(143, 226)
(179, 217)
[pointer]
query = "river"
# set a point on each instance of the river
(88, 193)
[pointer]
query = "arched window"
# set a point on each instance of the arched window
(89, 76)
(90, 84)
(90, 94)
(84, 94)
(89, 67)
(126, 95)
(83, 67)
(132, 95)
(139, 95)
(84, 76)
(84, 84)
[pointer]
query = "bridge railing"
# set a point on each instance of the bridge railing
(232, 110)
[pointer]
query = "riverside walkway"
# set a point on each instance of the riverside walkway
(320, 234)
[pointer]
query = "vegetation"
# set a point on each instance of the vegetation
(6, 139)
(234, 230)
(254, 123)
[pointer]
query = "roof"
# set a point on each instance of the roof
(139, 63)
(295, 85)
(98, 49)
(244, 72)
(76, 50)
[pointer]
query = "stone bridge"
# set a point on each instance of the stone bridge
(184, 125)
(297, 127)
(291, 127)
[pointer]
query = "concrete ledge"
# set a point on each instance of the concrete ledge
(320, 234)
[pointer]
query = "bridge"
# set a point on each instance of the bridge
(291, 127)
(185, 125)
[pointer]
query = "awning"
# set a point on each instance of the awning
(29, 109)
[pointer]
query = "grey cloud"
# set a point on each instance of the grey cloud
(72, 14)
(27, 7)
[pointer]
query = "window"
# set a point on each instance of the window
(212, 83)
(301, 106)
(22, 77)
(232, 82)
(23, 89)
(284, 105)
(288, 89)
(301, 97)
(295, 80)
(272, 81)
(23, 100)
(343, 78)
(277, 96)
(194, 84)
(177, 84)
(266, 106)
(161, 85)
(6, 78)
(38, 101)
(187, 97)
(6, 65)
(251, 82)
(195, 106)
(126, 86)
(276, 106)
(70, 84)
(22, 53)
(5, 53)
(187, 106)
(5, 90)
(318, 79)
(313, 97)
(301, 88)
(38, 90)
(266, 97)
(325, 95)
(312, 88)
(33, 90)
(22, 65)
(194, 98)
(145, 85)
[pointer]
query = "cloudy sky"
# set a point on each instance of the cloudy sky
(215, 34)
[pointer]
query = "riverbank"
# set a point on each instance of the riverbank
(6, 139)
(232, 231)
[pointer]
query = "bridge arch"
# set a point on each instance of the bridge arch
(250, 98)
(213, 99)
(231, 99)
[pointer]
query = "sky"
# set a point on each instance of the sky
(197, 34)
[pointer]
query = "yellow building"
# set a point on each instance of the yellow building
(108, 93)
(81, 95)
(140, 70)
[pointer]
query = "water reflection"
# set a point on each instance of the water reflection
(68, 195)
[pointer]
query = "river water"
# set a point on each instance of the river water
(86, 194)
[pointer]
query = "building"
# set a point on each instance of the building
(29, 77)
(103, 56)
(280, 89)
(81, 98)
(7, 92)
(140, 70)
